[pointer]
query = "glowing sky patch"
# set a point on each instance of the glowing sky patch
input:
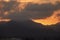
(52, 20)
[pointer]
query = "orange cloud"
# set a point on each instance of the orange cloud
(52, 20)
(24, 3)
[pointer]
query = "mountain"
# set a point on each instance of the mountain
(28, 29)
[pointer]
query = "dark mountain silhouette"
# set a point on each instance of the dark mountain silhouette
(28, 29)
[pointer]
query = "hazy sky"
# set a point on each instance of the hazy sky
(31, 10)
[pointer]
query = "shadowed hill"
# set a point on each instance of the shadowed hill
(27, 29)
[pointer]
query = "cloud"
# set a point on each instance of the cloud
(32, 11)
(38, 11)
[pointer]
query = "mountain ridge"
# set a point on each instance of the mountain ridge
(27, 29)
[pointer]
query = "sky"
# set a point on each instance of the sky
(21, 10)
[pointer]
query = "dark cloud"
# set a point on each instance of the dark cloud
(8, 6)
(31, 10)
(57, 6)
(38, 11)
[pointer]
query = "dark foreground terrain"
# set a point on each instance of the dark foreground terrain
(28, 30)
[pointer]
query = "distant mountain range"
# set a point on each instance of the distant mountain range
(28, 29)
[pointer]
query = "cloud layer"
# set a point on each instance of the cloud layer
(31, 10)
